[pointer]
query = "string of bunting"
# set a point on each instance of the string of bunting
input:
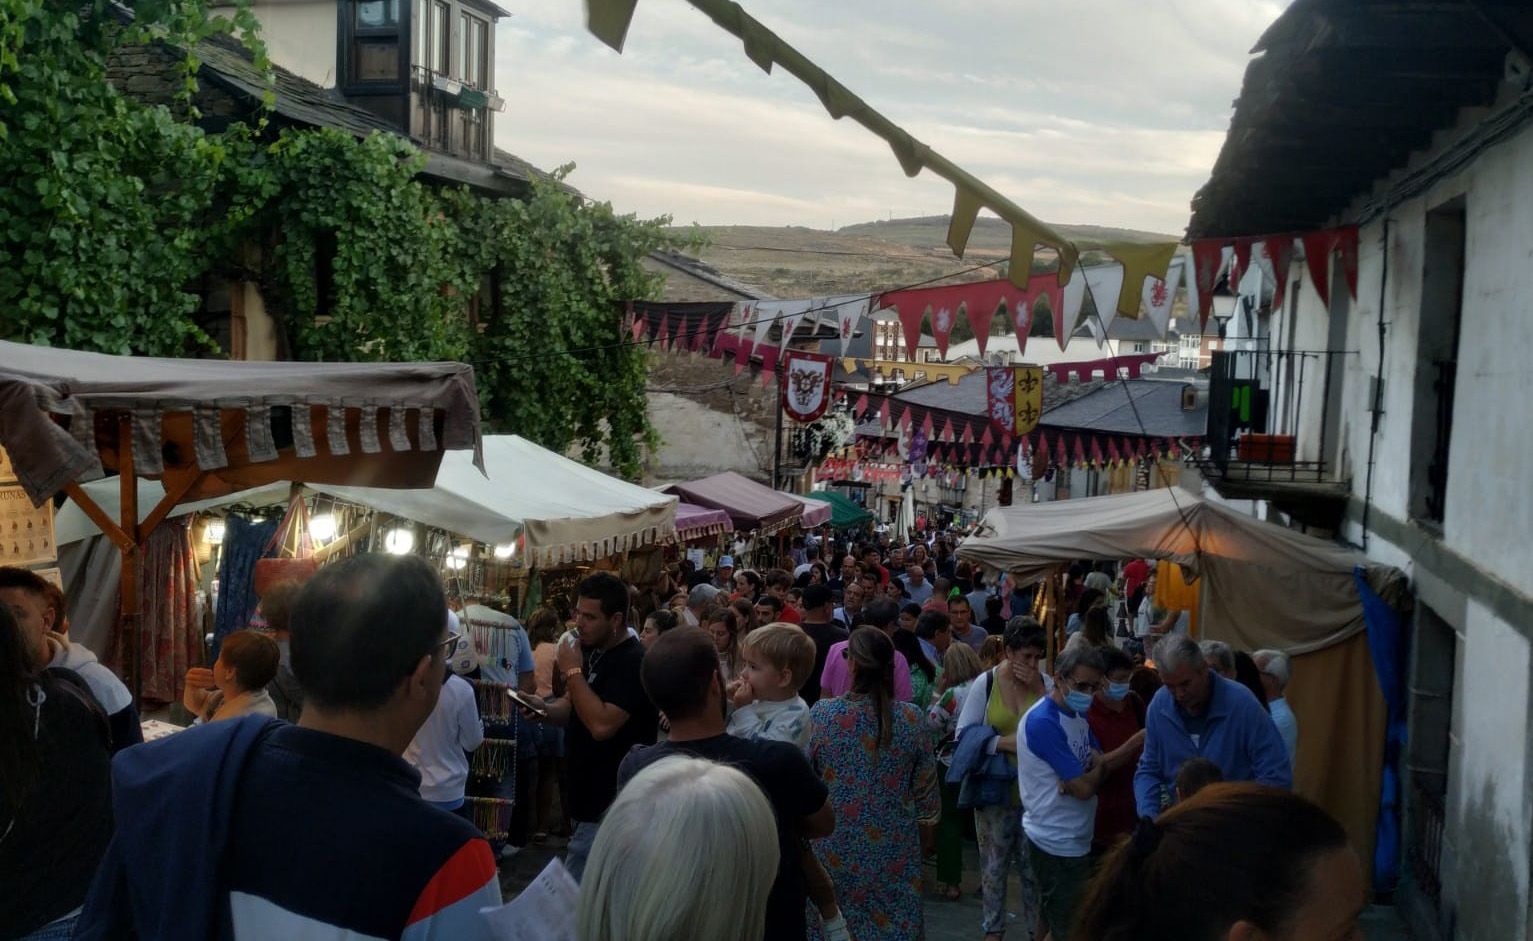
(1212, 257)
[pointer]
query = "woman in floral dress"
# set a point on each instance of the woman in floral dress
(875, 756)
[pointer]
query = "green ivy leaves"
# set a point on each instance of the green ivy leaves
(113, 211)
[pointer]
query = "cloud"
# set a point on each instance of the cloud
(1102, 111)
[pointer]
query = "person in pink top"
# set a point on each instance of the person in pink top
(836, 679)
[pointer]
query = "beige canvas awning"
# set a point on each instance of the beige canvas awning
(1263, 585)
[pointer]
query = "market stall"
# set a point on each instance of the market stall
(694, 523)
(844, 512)
(817, 513)
(1260, 586)
(564, 511)
(206, 428)
(754, 508)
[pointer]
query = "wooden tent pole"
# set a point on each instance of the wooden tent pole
(132, 555)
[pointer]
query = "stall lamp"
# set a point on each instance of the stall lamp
(214, 534)
(457, 560)
(505, 550)
(322, 527)
(399, 541)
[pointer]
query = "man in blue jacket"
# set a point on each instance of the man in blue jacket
(1200, 714)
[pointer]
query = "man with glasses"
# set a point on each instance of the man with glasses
(1060, 768)
(253, 820)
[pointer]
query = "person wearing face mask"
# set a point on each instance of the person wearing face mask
(1116, 718)
(998, 701)
(1060, 767)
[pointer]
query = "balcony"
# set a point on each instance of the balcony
(1273, 430)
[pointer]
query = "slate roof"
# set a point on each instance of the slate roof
(968, 395)
(1107, 410)
(703, 271)
(1339, 93)
(226, 63)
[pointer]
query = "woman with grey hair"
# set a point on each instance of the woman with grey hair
(688, 850)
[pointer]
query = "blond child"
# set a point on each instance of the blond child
(777, 659)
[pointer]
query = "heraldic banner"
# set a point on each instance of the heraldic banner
(806, 385)
(1015, 395)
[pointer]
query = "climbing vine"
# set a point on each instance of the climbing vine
(114, 210)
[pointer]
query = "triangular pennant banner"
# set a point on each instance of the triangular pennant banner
(1160, 296)
(1139, 261)
(1279, 251)
(1318, 247)
(1103, 285)
(942, 328)
(1207, 260)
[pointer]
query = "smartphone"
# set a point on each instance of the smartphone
(525, 703)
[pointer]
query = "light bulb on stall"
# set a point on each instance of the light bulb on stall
(322, 528)
(457, 560)
(505, 550)
(399, 541)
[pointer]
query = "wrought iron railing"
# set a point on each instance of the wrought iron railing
(1271, 414)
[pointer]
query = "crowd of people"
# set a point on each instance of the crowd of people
(800, 752)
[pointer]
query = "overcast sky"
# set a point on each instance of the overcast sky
(1107, 112)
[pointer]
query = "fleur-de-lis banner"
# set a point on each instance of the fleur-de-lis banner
(1015, 395)
(806, 385)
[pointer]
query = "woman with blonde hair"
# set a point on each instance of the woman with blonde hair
(688, 850)
(960, 666)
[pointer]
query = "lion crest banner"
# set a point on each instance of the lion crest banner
(806, 385)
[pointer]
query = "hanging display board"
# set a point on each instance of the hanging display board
(26, 531)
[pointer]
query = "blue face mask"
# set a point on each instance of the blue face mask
(1116, 691)
(1077, 700)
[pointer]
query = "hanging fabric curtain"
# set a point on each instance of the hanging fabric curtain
(244, 543)
(171, 628)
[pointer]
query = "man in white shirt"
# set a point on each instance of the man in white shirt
(1060, 768)
(811, 556)
(1276, 669)
(437, 751)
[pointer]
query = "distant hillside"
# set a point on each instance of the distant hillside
(793, 261)
(991, 235)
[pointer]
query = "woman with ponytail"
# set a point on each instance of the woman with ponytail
(875, 756)
(1238, 862)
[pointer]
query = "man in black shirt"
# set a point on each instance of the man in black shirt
(604, 708)
(821, 628)
(681, 673)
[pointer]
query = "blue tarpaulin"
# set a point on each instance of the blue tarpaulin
(1388, 643)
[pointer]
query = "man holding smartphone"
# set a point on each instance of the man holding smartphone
(604, 709)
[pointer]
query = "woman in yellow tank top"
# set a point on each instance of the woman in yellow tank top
(1012, 687)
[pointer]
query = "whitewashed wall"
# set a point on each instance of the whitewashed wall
(1489, 510)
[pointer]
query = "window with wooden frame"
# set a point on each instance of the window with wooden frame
(372, 38)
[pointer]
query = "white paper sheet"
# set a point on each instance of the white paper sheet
(544, 911)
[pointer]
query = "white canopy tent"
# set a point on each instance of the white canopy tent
(568, 512)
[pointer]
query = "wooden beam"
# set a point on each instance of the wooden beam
(105, 523)
(174, 494)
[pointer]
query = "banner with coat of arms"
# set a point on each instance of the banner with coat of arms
(1015, 395)
(806, 385)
